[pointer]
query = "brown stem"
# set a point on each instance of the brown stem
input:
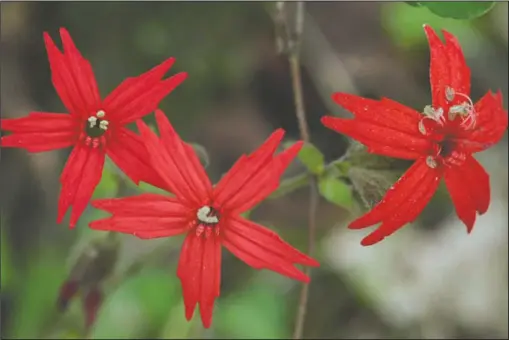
(294, 59)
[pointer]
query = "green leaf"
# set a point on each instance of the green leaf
(370, 186)
(255, 313)
(404, 25)
(459, 9)
(312, 158)
(414, 3)
(335, 191)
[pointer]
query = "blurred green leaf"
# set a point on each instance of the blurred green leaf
(37, 294)
(178, 327)
(108, 186)
(7, 268)
(414, 3)
(459, 9)
(312, 158)
(404, 25)
(145, 187)
(335, 191)
(258, 312)
(139, 307)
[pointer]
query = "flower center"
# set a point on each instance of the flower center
(207, 219)
(96, 125)
(446, 148)
(465, 111)
(447, 155)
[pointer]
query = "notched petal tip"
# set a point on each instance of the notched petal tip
(328, 121)
(340, 97)
(51, 47)
(64, 35)
(142, 126)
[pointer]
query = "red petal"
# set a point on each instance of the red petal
(82, 73)
(386, 127)
(380, 140)
(402, 203)
(447, 67)
(184, 157)
(469, 188)
(81, 175)
(72, 77)
(127, 150)
(137, 97)
(261, 248)
(199, 271)
(254, 177)
(40, 131)
(164, 165)
(263, 183)
(123, 94)
(144, 216)
(490, 125)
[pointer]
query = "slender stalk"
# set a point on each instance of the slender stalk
(294, 60)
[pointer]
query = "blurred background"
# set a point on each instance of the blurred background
(429, 280)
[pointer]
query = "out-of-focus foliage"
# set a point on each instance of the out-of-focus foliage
(312, 158)
(456, 9)
(335, 191)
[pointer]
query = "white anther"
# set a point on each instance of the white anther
(103, 124)
(100, 114)
(435, 114)
(93, 121)
(449, 94)
(203, 215)
(431, 162)
(422, 128)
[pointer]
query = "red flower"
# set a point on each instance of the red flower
(93, 126)
(210, 215)
(441, 140)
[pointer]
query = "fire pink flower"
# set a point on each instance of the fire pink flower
(94, 127)
(209, 215)
(442, 140)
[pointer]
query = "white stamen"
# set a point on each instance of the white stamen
(449, 94)
(100, 114)
(431, 162)
(435, 114)
(93, 121)
(203, 215)
(103, 124)
(430, 113)
(465, 110)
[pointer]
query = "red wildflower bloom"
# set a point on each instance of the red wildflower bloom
(93, 126)
(441, 140)
(210, 215)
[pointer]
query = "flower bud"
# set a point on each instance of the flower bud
(93, 266)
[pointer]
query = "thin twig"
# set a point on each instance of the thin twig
(294, 59)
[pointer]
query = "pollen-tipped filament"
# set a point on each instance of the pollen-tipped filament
(465, 110)
(429, 112)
